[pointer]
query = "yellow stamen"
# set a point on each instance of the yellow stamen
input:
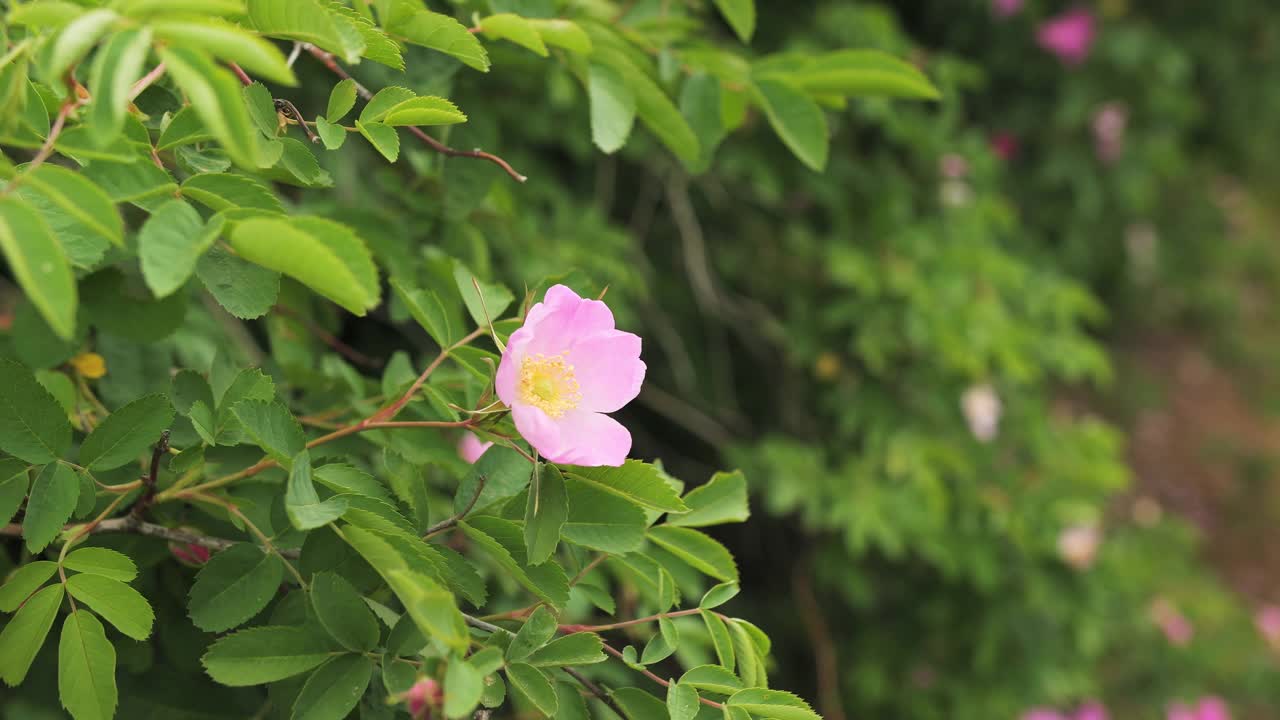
(548, 384)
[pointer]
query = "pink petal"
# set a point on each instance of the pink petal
(1214, 708)
(541, 431)
(1091, 711)
(608, 369)
(591, 439)
(507, 378)
(554, 332)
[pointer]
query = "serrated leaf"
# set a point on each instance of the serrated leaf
(301, 502)
(86, 668)
(342, 612)
(53, 499)
(265, 654)
(506, 475)
(698, 549)
(427, 309)
(25, 633)
(39, 265)
(215, 94)
(321, 254)
(126, 433)
(382, 102)
(245, 290)
(512, 27)
(272, 427)
(722, 500)
(116, 67)
(750, 663)
(502, 541)
(342, 478)
(545, 514)
(171, 242)
(33, 427)
(233, 586)
(535, 685)
(101, 561)
(796, 119)
(741, 15)
(463, 686)
(613, 108)
(341, 99)
(307, 21)
(220, 191)
(682, 701)
(333, 136)
(712, 678)
(118, 603)
(441, 32)
(424, 110)
(536, 631)
(383, 138)
(581, 648)
(637, 704)
(432, 607)
(262, 108)
(601, 520)
(638, 482)
(228, 43)
(720, 639)
(774, 704)
(24, 581)
(719, 595)
(334, 689)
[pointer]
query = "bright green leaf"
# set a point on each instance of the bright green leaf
(53, 499)
(698, 549)
(118, 603)
(512, 27)
(722, 500)
(25, 633)
(613, 108)
(39, 265)
(24, 581)
(343, 612)
(116, 67)
(215, 94)
(334, 689)
(86, 668)
(796, 119)
(327, 257)
(101, 561)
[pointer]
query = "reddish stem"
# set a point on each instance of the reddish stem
(664, 683)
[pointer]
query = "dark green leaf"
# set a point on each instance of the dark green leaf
(25, 633)
(545, 513)
(343, 612)
(126, 433)
(581, 648)
(265, 654)
(535, 685)
(53, 499)
(170, 244)
(536, 631)
(233, 586)
(334, 689)
(796, 119)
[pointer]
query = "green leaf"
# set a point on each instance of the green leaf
(39, 265)
(432, 607)
(503, 542)
(86, 668)
(536, 631)
(307, 21)
(385, 99)
(14, 482)
(463, 686)
(126, 433)
(582, 648)
(655, 109)
(341, 99)
(301, 502)
(25, 633)
(485, 305)
(535, 685)
(184, 128)
(170, 244)
(245, 290)
(545, 514)
(220, 191)
(228, 43)
(698, 549)
(638, 482)
(53, 499)
(720, 639)
(613, 108)
(75, 39)
(719, 595)
(508, 26)
(571, 705)
(272, 427)
(637, 704)
(562, 33)
(235, 585)
(148, 8)
(722, 500)
(24, 581)
(101, 561)
(425, 110)
(774, 704)
(46, 14)
(712, 678)
(383, 138)
(348, 479)
(262, 108)
(443, 33)
(796, 119)
(741, 15)
(334, 689)
(682, 701)
(333, 136)
(600, 520)
(118, 603)
(321, 254)
(343, 612)
(215, 94)
(116, 67)
(33, 427)
(750, 662)
(861, 73)
(427, 310)
(702, 104)
(264, 654)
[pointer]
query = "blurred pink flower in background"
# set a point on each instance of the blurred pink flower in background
(1006, 8)
(1210, 708)
(1092, 710)
(1004, 145)
(1109, 124)
(1178, 711)
(1175, 626)
(1267, 620)
(1043, 714)
(953, 166)
(470, 447)
(981, 406)
(1078, 545)
(1068, 36)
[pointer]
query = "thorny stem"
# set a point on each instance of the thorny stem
(329, 62)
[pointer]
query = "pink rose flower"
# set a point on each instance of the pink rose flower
(470, 447)
(1004, 145)
(562, 371)
(1092, 710)
(1006, 8)
(1068, 36)
(1213, 708)
(1268, 623)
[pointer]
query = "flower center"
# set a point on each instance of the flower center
(548, 384)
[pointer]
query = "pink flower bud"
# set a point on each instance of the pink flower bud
(424, 695)
(1004, 145)
(470, 447)
(189, 553)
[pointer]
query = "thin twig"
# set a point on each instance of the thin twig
(824, 649)
(291, 110)
(314, 328)
(269, 546)
(595, 689)
(457, 517)
(162, 447)
(628, 623)
(240, 73)
(132, 525)
(327, 59)
(588, 568)
(146, 81)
